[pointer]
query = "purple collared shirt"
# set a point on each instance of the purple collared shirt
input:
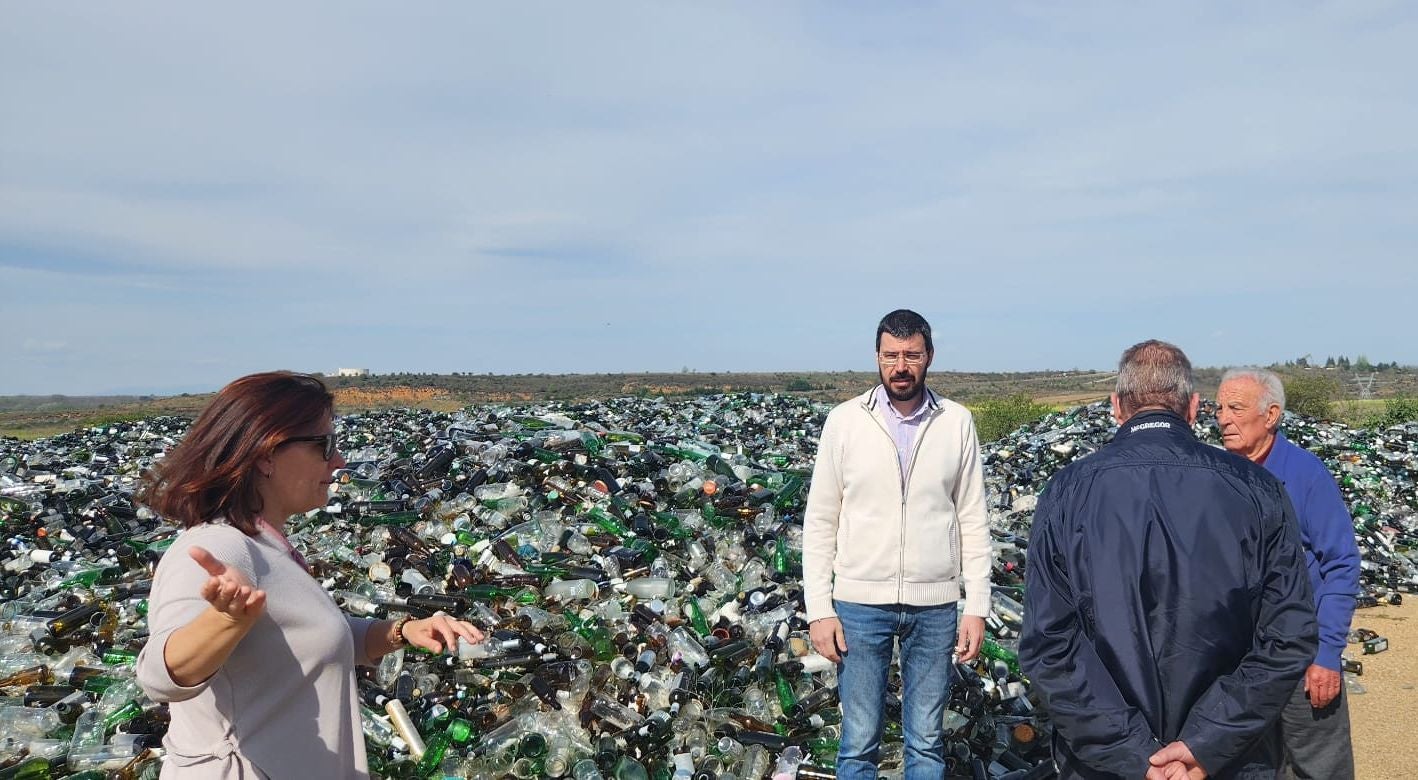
(902, 428)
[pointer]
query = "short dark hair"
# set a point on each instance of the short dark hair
(1154, 374)
(211, 473)
(903, 324)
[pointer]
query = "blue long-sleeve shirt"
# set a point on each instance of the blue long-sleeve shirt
(1327, 534)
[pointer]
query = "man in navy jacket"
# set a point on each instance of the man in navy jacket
(1168, 614)
(1315, 723)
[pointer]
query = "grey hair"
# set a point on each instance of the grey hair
(1272, 390)
(1155, 374)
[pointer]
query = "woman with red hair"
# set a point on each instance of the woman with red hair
(254, 656)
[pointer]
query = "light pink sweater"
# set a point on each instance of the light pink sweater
(285, 703)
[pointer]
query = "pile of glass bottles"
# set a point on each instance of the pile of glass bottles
(1377, 471)
(635, 561)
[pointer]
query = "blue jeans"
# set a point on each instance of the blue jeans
(927, 636)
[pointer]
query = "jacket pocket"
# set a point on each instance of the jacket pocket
(868, 548)
(933, 550)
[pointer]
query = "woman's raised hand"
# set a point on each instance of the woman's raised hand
(228, 590)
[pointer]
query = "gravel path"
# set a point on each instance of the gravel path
(1385, 718)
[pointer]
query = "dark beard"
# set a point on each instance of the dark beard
(910, 395)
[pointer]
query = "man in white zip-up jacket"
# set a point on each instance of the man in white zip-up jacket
(895, 530)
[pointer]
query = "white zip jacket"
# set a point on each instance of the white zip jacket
(868, 540)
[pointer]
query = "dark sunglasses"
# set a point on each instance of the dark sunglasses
(327, 443)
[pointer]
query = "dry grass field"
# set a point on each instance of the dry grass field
(33, 417)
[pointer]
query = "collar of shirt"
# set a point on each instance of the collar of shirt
(894, 415)
(902, 428)
(1153, 421)
(1279, 461)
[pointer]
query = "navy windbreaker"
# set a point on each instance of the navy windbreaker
(1166, 598)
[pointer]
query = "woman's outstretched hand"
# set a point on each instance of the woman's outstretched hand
(228, 590)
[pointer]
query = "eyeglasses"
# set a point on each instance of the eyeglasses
(911, 358)
(327, 443)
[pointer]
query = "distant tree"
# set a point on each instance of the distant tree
(799, 385)
(1302, 362)
(1361, 363)
(1312, 395)
(1329, 362)
(1343, 363)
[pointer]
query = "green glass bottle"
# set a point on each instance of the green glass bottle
(546, 571)
(787, 697)
(545, 455)
(592, 443)
(122, 715)
(711, 515)
(91, 679)
(823, 749)
(460, 731)
(644, 547)
(88, 578)
(608, 523)
(696, 615)
(36, 768)
(485, 592)
(670, 523)
(392, 518)
(780, 556)
(599, 638)
(994, 651)
(13, 506)
(787, 495)
(117, 656)
(431, 762)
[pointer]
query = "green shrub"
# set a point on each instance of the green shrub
(799, 385)
(1312, 394)
(995, 418)
(1396, 411)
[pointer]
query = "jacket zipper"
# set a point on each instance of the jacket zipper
(905, 480)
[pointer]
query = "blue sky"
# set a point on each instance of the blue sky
(188, 195)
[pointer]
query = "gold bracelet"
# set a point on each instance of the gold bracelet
(399, 630)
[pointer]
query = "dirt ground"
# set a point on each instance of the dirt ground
(1384, 717)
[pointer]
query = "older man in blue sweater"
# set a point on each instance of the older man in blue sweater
(1316, 721)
